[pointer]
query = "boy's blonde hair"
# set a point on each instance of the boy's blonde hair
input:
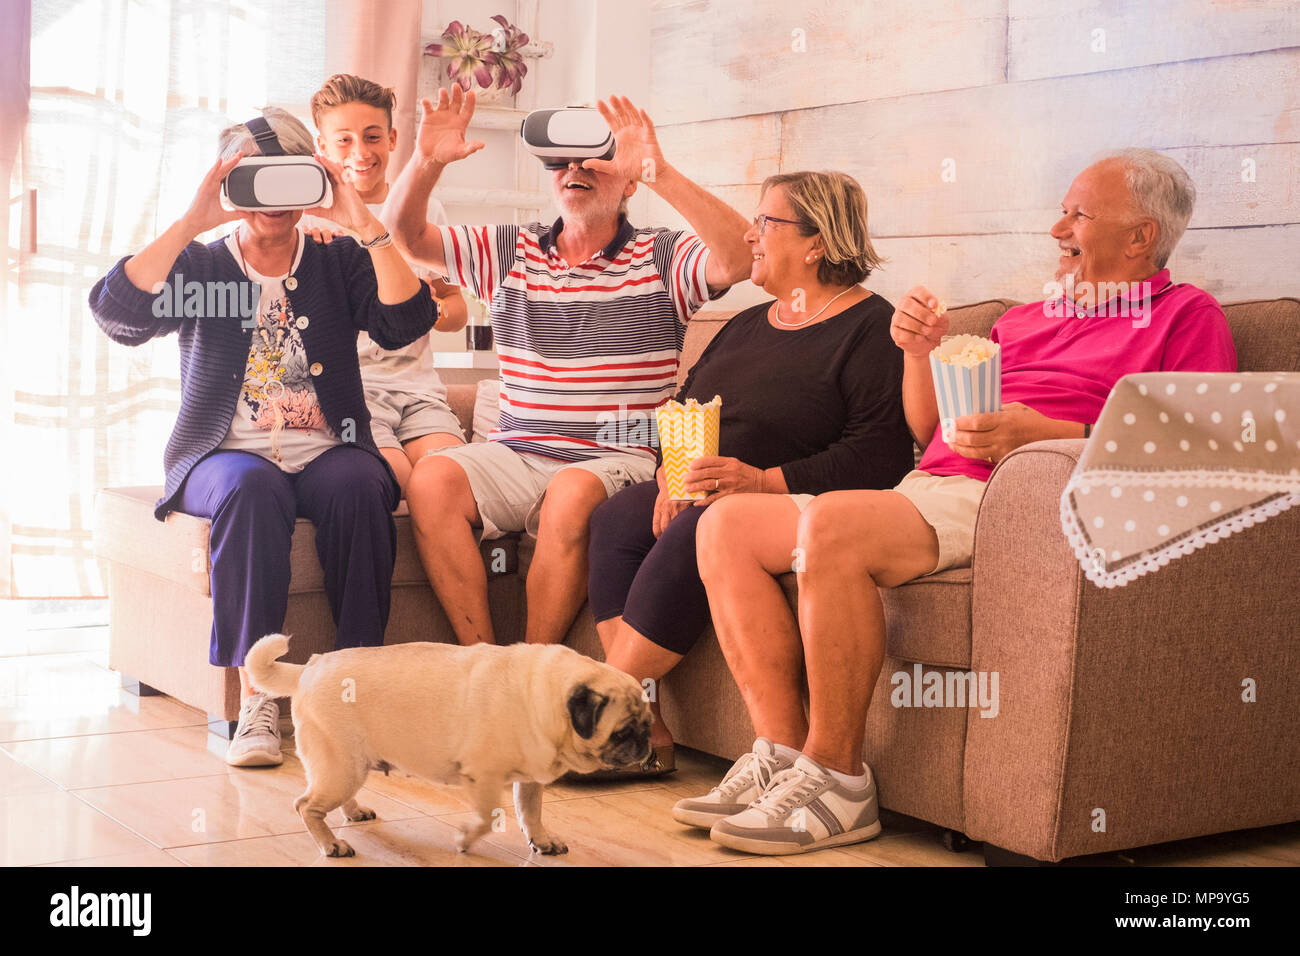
(343, 88)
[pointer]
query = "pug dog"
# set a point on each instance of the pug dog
(477, 717)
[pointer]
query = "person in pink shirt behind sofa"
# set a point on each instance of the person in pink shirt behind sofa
(804, 786)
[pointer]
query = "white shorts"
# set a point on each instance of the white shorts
(509, 486)
(399, 417)
(949, 505)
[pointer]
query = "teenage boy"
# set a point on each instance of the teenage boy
(408, 403)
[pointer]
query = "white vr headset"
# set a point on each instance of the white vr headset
(558, 137)
(273, 181)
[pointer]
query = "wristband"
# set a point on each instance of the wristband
(379, 242)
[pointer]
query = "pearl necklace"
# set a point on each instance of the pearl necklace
(776, 311)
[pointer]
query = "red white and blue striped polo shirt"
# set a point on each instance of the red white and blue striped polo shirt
(586, 352)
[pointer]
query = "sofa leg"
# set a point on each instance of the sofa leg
(996, 856)
(133, 686)
(225, 729)
(955, 841)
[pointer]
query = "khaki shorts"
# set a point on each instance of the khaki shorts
(399, 417)
(948, 503)
(509, 486)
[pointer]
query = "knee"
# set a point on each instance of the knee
(718, 535)
(837, 527)
(571, 497)
(259, 494)
(438, 489)
(362, 486)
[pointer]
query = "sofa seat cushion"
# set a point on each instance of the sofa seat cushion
(927, 621)
(176, 549)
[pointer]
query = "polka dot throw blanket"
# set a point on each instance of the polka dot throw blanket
(1179, 460)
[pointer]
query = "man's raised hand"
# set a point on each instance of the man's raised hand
(441, 136)
(637, 155)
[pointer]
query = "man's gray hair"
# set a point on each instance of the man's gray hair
(293, 136)
(1161, 190)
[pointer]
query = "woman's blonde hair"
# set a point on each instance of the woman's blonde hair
(288, 129)
(834, 205)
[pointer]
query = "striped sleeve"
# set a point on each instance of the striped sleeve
(682, 258)
(479, 257)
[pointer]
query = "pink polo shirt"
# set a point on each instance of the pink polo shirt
(1063, 363)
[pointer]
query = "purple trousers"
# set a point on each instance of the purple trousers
(345, 492)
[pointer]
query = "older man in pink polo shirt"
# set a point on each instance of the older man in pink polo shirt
(1113, 311)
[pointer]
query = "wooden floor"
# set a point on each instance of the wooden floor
(94, 776)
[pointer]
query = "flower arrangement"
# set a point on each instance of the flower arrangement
(492, 60)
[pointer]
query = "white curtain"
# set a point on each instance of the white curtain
(127, 98)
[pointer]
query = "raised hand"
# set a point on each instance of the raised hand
(637, 155)
(349, 209)
(919, 323)
(206, 211)
(441, 136)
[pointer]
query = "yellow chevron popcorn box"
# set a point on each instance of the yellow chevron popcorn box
(687, 432)
(967, 373)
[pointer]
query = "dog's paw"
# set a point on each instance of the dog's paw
(340, 848)
(548, 846)
(359, 814)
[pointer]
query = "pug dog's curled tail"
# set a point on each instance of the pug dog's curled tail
(268, 673)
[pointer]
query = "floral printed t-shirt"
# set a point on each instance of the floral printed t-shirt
(277, 414)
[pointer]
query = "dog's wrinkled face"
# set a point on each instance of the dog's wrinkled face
(611, 720)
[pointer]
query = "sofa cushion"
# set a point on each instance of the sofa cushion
(487, 408)
(1266, 333)
(927, 621)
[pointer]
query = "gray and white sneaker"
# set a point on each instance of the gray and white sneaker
(744, 782)
(803, 809)
(257, 739)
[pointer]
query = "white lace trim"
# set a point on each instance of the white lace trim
(1192, 478)
(1155, 560)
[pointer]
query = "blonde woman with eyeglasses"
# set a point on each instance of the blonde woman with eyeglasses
(811, 389)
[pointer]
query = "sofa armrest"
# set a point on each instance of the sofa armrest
(1121, 718)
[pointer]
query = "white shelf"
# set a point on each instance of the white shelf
(497, 117)
(465, 359)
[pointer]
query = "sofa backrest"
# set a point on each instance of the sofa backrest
(1266, 332)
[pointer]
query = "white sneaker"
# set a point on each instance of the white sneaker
(257, 739)
(803, 809)
(744, 782)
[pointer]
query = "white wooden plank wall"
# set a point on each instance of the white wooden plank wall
(1013, 97)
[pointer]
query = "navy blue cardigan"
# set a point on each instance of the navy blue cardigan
(337, 293)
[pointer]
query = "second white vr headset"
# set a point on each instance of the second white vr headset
(273, 181)
(558, 137)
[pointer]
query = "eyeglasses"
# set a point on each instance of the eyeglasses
(760, 223)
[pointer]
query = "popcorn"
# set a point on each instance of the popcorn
(967, 373)
(687, 432)
(973, 350)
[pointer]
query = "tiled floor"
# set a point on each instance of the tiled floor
(90, 775)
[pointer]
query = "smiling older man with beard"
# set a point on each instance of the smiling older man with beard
(805, 785)
(589, 317)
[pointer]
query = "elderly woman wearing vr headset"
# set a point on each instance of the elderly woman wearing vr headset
(273, 423)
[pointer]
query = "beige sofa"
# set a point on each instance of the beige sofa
(1111, 700)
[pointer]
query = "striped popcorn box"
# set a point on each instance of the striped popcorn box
(686, 432)
(967, 373)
